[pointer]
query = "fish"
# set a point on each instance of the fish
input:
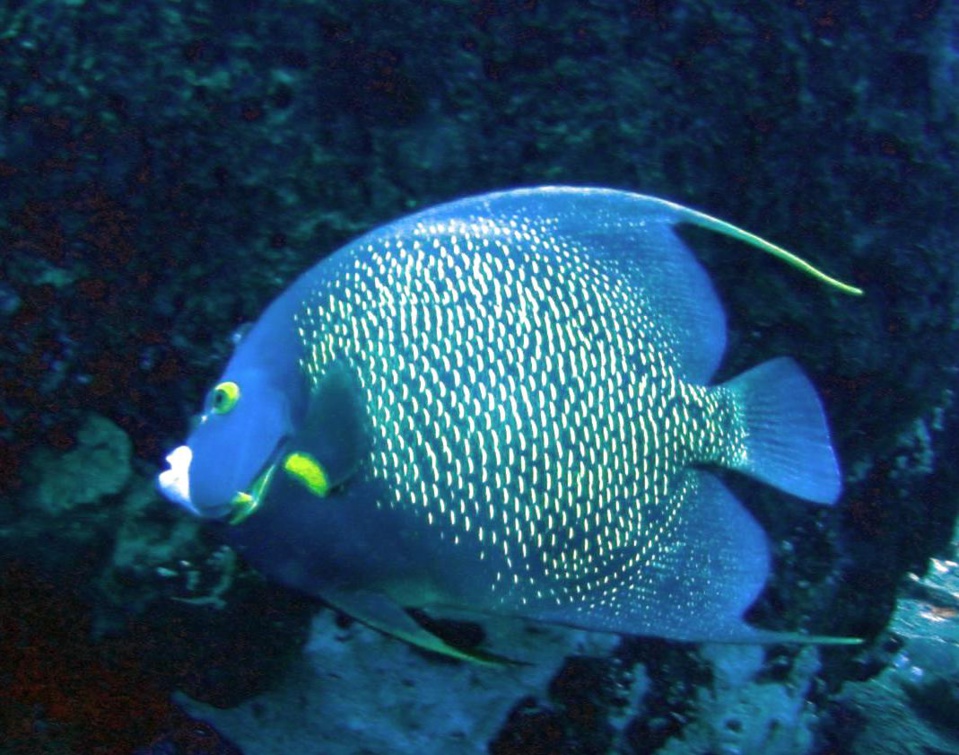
(502, 406)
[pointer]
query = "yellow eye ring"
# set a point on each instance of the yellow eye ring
(224, 397)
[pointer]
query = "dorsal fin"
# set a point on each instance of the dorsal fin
(633, 237)
(728, 229)
(630, 238)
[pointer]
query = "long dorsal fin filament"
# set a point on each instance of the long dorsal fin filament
(728, 229)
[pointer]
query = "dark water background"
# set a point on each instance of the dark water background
(167, 168)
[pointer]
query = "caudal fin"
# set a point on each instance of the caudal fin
(786, 437)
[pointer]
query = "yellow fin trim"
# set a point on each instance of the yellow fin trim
(728, 229)
(243, 505)
(308, 472)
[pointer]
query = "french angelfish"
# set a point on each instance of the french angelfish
(502, 405)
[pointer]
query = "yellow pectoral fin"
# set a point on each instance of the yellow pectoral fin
(308, 472)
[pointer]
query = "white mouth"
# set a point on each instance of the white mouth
(174, 483)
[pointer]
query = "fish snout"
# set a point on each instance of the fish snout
(174, 482)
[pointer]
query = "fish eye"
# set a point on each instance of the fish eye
(224, 397)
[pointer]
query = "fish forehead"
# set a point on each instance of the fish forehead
(523, 403)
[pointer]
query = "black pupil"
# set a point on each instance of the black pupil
(219, 398)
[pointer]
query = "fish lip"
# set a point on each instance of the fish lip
(174, 483)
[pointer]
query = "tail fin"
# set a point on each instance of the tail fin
(786, 438)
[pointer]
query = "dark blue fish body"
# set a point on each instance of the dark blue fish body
(503, 405)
